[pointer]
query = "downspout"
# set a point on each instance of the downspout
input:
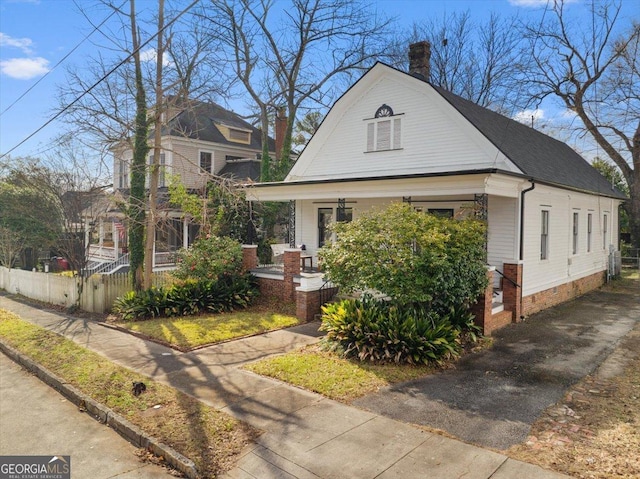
(522, 193)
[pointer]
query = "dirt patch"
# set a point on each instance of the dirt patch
(594, 431)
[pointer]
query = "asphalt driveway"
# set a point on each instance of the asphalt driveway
(492, 397)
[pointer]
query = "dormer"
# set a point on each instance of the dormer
(234, 134)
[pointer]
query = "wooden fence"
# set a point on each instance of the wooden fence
(98, 291)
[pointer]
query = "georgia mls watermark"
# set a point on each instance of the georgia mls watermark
(35, 467)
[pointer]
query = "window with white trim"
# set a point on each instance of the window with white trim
(123, 174)
(544, 235)
(325, 218)
(161, 175)
(589, 231)
(206, 161)
(384, 131)
(574, 247)
(605, 230)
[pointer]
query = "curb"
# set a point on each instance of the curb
(103, 414)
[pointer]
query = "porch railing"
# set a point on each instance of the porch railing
(328, 291)
(102, 252)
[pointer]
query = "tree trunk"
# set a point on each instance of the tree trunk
(136, 207)
(634, 209)
(154, 174)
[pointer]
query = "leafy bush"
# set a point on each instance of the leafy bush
(190, 297)
(410, 257)
(380, 331)
(209, 258)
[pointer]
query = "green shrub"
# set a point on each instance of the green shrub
(190, 297)
(411, 257)
(209, 258)
(374, 330)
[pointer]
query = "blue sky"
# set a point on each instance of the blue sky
(37, 34)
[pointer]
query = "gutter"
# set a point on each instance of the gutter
(522, 193)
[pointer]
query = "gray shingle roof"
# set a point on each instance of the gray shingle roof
(538, 155)
(199, 122)
(242, 170)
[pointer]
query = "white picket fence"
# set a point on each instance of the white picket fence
(99, 291)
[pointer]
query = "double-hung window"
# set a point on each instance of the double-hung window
(589, 231)
(574, 247)
(206, 161)
(605, 228)
(544, 235)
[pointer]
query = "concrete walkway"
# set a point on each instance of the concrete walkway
(305, 435)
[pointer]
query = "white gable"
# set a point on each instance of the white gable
(430, 137)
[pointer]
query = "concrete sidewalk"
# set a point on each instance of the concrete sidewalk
(305, 435)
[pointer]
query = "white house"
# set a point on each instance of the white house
(552, 218)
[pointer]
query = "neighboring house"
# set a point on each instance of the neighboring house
(552, 218)
(198, 140)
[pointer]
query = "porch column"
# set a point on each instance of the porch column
(291, 269)
(100, 233)
(482, 310)
(185, 233)
(115, 234)
(512, 289)
(249, 257)
(292, 223)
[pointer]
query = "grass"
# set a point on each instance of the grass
(210, 438)
(189, 332)
(328, 374)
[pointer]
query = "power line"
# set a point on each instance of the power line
(60, 62)
(104, 77)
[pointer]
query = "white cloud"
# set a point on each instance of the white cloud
(524, 116)
(23, 44)
(24, 68)
(150, 55)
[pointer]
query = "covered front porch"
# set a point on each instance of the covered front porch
(107, 241)
(494, 198)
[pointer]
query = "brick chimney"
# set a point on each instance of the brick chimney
(281, 129)
(420, 59)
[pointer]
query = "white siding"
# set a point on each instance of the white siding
(434, 136)
(307, 214)
(562, 265)
(502, 232)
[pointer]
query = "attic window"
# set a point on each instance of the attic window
(384, 131)
(239, 135)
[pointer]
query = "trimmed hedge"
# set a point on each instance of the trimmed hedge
(190, 297)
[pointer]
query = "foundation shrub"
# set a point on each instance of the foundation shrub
(427, 270)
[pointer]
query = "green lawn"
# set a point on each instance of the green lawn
(208, 437)
(191, 332)
(328, 374)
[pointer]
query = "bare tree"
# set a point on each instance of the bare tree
(296, 59)
(594, 70)
(476, 60)
(154, 173)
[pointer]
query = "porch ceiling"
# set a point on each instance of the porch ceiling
(438, 186)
